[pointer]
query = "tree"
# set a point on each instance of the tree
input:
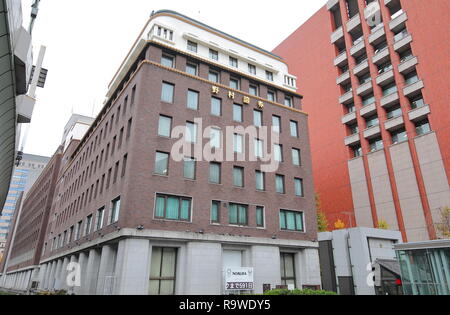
(383, 225)
(322, 221)
(444, 227)
(339, 225)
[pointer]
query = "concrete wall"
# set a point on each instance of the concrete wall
(408, 192)
(360, 193)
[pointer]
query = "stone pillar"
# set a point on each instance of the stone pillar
(93, 265)
(73, 259)
(308, 267)
(133, 267)
(266, 263)
(203, 271)
(59, 266)
(82, 260)
(62, 277)
(106, 270)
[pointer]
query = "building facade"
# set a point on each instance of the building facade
(17, 86)
(26, 238)
(138, 219)
(374, 78)
(24, 177)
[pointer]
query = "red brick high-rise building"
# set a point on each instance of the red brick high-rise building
(375, 79)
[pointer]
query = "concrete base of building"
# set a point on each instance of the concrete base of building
(123, 266)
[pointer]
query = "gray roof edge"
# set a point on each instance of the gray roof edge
(216, 30)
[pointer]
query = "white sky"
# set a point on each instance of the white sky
(87, 40)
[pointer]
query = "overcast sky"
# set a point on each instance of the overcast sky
(87, 40)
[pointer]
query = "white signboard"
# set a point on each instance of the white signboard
(239, 279)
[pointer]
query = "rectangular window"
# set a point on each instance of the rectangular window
(216, 138)
(288, 269)
(296, 157)
(260, 217)
(173, 208)
(124, 165)
(279, 183)
(291, 221)
(191, 46)
(257, 118)
(88, 226)
(115, 210)
(168, 61)
(269, 76)
(271, 96)
(278, 152)
(216, 106)
(294, 129)
(191, 69)
(298, 183)
(191, 132)
(288, 101)
(234, 83)
(276, 124)
(213, 76)
(214, 54)
(130, 123)
(238, 176)
(190, 168)
(260, 181)
(253, 90)
(238, 214)
(192, 100)
(259, 148)
(233, 62)
(100, 217)
(167, 94)
(162, 163)
(215, 212)
(163, 271)
(238, 143)
(165, 126)
(215, 173)
(251, 69)
(116, 172)
(237, 113)
(78, 232)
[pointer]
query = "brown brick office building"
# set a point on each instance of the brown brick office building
(139, 222)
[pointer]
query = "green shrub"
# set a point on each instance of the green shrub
(299, 292)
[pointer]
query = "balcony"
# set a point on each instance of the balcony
(368, 110)
(419, 113)
(349, 118)
(394, 123)
(385, 78)
(351, 140)
(402, 42)
(408, 65)
(389, 100)
(365, 88)
(353, 23)
(344, 78)
(361, 68)
(358, 48)
(381, 57)
(346, 98)
(378, 35)
(337, 35)
(413, 88)
(398, 22)
(372, 132)
(341, 59)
